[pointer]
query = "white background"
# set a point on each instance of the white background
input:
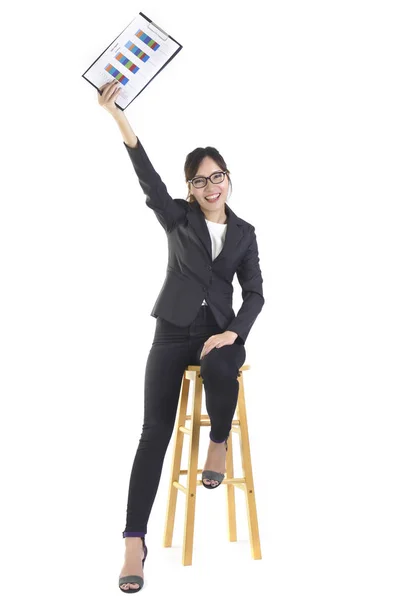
(302, 100)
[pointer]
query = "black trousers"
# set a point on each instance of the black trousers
(172, 350)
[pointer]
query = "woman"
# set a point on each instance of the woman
(207, 245)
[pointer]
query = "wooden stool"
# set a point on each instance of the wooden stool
(245, 483)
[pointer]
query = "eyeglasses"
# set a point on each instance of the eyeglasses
(200, 182)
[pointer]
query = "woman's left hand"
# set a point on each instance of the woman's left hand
(217, 341)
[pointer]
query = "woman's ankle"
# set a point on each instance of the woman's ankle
(133, 541)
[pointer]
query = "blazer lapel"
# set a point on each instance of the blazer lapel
(234, 232)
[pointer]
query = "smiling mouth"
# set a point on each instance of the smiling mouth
(213, 198)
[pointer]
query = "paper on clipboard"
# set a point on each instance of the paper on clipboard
(134, 58)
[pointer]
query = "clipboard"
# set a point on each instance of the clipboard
(136, 56)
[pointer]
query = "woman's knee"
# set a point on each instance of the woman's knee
(222, 363)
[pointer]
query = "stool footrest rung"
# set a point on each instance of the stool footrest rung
(237, 481)
(179, 486)
(185, 471)
(184, 430)
(204, 423)
(232, 480)
(205, 420)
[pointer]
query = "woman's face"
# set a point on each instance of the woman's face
(206, 168)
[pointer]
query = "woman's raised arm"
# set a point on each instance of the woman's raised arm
(109, 93)
(128, 135)
(168, 211)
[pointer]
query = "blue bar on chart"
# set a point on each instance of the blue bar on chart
(137, 51)
(116, 74)
(147, 40)
(128, 64)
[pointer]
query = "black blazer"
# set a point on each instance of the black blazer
(192, 275)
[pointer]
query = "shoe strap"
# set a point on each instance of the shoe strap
(213, 475)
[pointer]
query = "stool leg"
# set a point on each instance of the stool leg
(230, 493)
(248, 473)
(191, 485)
(176, 464)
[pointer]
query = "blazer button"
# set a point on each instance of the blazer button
(204, 289)
(209, 267)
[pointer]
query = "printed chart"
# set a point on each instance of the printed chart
(134, 58)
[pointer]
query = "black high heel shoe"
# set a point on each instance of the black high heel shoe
(213, 475)
(134, 578)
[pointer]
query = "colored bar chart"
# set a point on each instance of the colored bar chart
(137, 51)
(128, 64)
(116, 74)
(147, 39)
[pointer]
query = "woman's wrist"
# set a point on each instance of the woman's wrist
(232, 333)
(118, 114)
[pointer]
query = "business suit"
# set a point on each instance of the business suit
(184, 324)
(192, 275)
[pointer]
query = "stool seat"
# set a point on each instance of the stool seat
(244, 483)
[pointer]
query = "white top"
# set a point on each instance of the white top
(217, 233)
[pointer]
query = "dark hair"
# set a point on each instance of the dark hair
(193, 161)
